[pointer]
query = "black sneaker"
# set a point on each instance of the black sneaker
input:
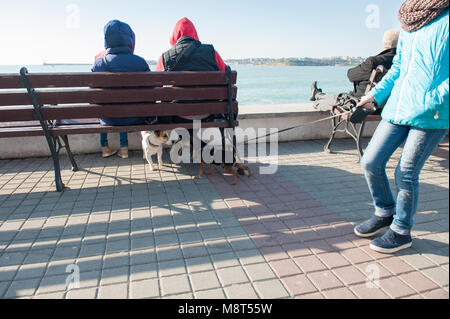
(391, 242)
(373, 226)
(314, 90)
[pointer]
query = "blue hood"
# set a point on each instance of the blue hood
(119, 37)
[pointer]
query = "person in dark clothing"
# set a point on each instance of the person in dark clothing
(360, 75)
(188, 54)
(119, 56)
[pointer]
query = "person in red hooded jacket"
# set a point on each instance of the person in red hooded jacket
(188, 54)
(197, 56)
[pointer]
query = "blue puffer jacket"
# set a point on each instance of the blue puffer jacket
(416, 87)
(120, 42)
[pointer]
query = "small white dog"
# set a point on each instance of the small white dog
(152, 143)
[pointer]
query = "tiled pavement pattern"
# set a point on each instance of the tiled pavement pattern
(136, 234)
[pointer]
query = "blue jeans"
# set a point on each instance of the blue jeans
(123, 139)
(419, 145)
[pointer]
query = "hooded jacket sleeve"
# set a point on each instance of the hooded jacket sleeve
(383, 89)
(160, 66)
(222, 66)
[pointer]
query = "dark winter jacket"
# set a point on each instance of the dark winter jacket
(360, 75)
(119, 43)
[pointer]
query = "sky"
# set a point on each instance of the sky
(59, 31)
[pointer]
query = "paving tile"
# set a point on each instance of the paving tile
(418, 281)
(363, 291)
(339, 293)
(114, 275)
(204, 281)
(114, 291)
(248, 257)
(53, 283)
(3, 286)
(324, 280)
(22, 288)
(356, 255)
(438, 275)
(309, 263)
(148, 288)
(224, 260)
(198, 264)
(241, 291)
(373, 269)
(175, 285)
(436, 294)
(7, 273)
(297, 249)
(395, 288)
(333, 260)
(315, 295)
(274, 253)
(350, 275)
(396, 265)
(298, 285)
(271, 289)
(143, 271)
(87, 293)
(50, 295)
(286, 267)
(231, 276)
(259, 272)
(210, 294)
(171, 267)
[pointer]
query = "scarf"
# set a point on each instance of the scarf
(414, 14)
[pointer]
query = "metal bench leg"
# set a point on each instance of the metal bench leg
(52, 142)
(69, 153)
(333, 134)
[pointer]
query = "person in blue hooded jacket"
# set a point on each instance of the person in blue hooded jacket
(416, 113)
(119, 57)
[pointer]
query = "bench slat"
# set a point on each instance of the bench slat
(119, 95)
(113, 111)
(126, 79)
(97, 128)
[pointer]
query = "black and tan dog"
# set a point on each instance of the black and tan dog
(229, 167)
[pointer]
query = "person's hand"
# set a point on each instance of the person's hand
(368, 102)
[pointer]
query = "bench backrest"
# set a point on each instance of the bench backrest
(95, 95)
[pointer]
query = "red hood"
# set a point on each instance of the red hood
(183, 28)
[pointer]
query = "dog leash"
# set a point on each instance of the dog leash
(287, 129)
(301, 125)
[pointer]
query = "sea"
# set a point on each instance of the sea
(257, 84)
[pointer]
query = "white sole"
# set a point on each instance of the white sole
(390, 251)
(369, 234)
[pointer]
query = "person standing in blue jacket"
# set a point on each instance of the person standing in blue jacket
(416, 93)
(119, 56)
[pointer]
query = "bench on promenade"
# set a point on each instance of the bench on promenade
(56, 105)
(355, 131)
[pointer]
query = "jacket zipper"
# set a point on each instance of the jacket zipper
(406, 76)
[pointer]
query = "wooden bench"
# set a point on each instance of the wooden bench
(355, 131)
(30, 104)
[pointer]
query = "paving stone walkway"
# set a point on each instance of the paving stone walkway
(125, 232)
